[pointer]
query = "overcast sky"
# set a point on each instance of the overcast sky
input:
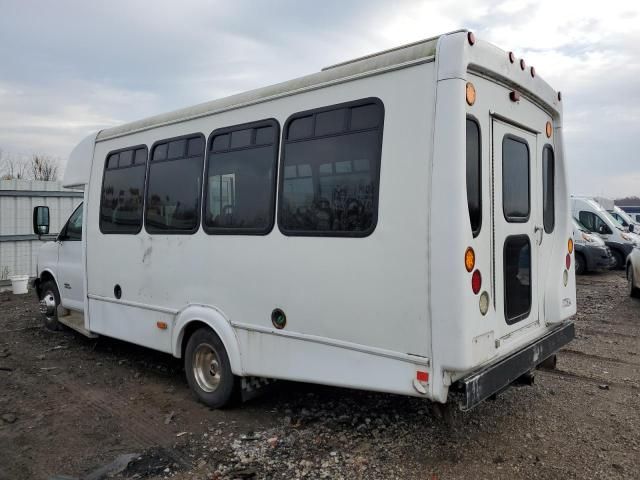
(68, 68)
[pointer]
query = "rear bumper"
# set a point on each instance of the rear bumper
(490, 379)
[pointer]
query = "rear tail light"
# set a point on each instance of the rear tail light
(484, 303)
(476, 282)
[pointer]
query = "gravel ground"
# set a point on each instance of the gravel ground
(70, 406)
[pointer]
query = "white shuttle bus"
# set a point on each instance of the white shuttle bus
(395, 223)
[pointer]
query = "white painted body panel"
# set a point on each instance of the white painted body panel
(361, 312)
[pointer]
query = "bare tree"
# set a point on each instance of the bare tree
(43, 167)
(12, 168)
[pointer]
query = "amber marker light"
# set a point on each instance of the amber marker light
(548, 129)
(570, 245)
(471, 93)
(162, 325)
(469, 259)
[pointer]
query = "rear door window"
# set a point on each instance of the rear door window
(517, 278)
(515, 179)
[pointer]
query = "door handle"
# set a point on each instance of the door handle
(537, 231)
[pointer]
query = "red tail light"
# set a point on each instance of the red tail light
(476, 281)
(567, 261)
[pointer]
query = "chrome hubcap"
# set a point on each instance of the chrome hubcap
(206, 368)
(48, 305)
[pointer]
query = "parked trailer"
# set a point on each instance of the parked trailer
(396, 223)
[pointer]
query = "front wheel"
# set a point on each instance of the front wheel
(619, 260)
(208, 370)
(633, 290)
(49, 304)
(581, 264)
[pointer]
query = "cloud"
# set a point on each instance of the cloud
(70, 67)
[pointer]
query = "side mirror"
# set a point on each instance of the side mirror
(602, 230)
(41, 220)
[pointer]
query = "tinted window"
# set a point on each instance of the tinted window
(329, 180)
(474, 176)
(174, 186)
(517, 276)
(548, 185)
(594, 223)
(122, 192)
(515, 179)
(73, 228)
(240, 179)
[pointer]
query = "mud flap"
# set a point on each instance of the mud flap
(494, 378)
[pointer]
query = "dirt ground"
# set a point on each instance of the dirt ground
(70, 406)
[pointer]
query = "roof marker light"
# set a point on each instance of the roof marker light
(559, 96)
(533, 72)
(471, 38)
(514, 96)
(512, 57)
(522, 64)
(471, 94)
(548, 129)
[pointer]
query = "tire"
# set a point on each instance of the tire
(208, 370)
(581, 264)
(634, 291)
(49, 290)
(619, 260)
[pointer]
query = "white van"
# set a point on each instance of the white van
(594, 217)
(398, 223)
(625, 219)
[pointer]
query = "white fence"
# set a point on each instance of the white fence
(18, 245)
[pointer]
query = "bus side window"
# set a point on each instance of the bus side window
(548, 186)
(240, 176)
(474, 176)
(122, 191)
(330, 170)
(172, 204)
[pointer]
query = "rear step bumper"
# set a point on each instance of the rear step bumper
(493, 378)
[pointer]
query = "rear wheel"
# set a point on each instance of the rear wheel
(581, 264)
(619, 260)
(49, 305)
(208, 370)
(633, 290)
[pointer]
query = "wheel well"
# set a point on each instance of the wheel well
(44, 277)
(188, 331)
